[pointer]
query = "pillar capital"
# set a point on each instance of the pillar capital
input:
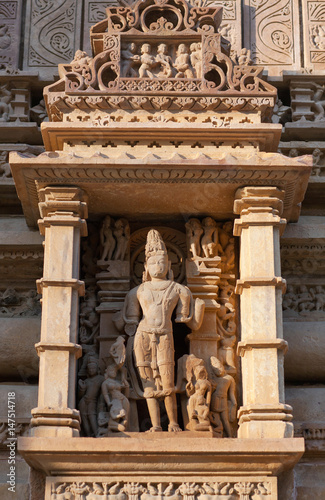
(256, 199)
(65, 206)
(258, 206)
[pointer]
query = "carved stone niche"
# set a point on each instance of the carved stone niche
(121, 368)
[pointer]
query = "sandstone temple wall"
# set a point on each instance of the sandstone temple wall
(287, 38)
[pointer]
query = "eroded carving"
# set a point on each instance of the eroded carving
(114, 239)
(19, 303)
(89, 390)
(303, 302)
(223, 402)
(115, 389)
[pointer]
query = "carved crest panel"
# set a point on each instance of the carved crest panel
(314, 33)
(53, 35)
(158, 47)
(271, 31)
(10, 19)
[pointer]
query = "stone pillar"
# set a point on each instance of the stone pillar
(63, 212)
(264, 413)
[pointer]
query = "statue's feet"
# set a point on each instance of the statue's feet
(155, 429)
(174, 428)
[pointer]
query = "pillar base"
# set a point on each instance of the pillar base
(55, 422)
(270, 422)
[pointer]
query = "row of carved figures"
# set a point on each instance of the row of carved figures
(186, 64)
(222, 490)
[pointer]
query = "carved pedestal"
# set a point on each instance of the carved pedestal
(62, 223)
(264, 413)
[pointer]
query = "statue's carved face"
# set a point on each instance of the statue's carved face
(157, 266)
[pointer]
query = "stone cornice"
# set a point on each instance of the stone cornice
(108, 181)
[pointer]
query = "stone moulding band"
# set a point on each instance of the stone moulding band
(56, 421)
(75, 284)
(276, 281)
(60, 219)
(250, 344)
(68, 346)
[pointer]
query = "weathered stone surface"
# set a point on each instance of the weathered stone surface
(307, 227)
(19, 364)
(25, 400)
(308, 403)
(305, 358)
(309, 481)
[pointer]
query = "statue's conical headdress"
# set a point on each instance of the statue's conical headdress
(155, 244)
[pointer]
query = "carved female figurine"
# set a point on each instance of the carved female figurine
(225, 388)
(196, 58)
(107, 239)
(210, 240)
(115, 387)
(147, 61)
(147, 313)
(89, 389)
(165, 61)
(117, 402)
(199, 391)
(129, 60)
(182, 62)
(194, 232)
(122, 236)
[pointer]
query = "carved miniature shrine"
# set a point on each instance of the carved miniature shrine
(167, 379)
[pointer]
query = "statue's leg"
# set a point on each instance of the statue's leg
(154, 412)
(142, 352)
(225, 422)
(167, 379)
